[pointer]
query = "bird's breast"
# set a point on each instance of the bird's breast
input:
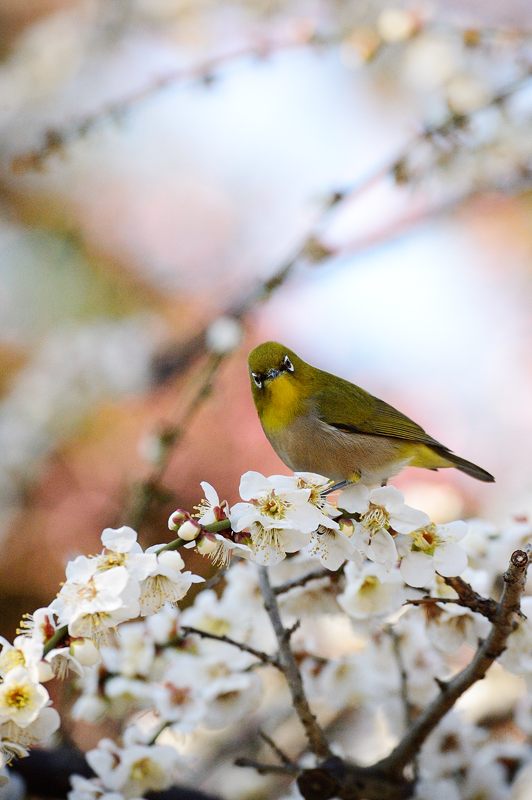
(281, 406)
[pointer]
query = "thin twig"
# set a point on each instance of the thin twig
(265, 658)
(276, 749)
(488, 651)
(149, 489)
(469, 598)
(316, 738)
(55, 139)
(267, 769)
(408, 706)
(315, 575)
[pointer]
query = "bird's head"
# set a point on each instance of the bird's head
(271, 361)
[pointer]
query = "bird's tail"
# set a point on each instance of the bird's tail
(465, 466)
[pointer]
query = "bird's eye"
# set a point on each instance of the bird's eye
(288, 364)
(257, 379)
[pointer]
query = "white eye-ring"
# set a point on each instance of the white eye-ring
(288, 364)
(257, 379)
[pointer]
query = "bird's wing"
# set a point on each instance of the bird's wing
(351, 409)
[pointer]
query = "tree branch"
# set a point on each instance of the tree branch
(260, 654)
(315, 575)
(489, 650)
(316, 738)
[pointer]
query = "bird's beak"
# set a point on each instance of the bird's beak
(272, 373)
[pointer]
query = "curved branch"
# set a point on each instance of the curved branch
(488, 651)
(316, 737)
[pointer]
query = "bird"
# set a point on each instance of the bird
(320, 423)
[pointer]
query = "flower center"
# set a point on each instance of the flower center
(11, 658)
(112, 559)
(370, 583)
(18, 697)
(425, 540)
(273, 506)
(375, 519)
(144, 768)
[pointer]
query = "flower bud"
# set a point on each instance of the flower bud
(189, 530)
(176, 518)
(84, 651)
(206, 546)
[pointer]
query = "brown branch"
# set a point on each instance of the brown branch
(267, 769)
(281, 755)
(470, 599)
(315, 575)
(488, 651)
(385, 779)
(265, 658)
(55, 139)
(315, 736)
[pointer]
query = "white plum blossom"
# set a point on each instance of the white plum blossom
(135, 769)
(430, 549)
(25, 652)
(381, 512)
(21, 698)
(123, 550)
(230, 697)
(371, 591)
(333, 545)
(91, 602)
(80, 653)
(279, 519)
(211, 509)
(166, 582)
(15, 741)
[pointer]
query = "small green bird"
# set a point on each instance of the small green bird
(317, 422)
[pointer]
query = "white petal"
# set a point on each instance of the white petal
(387, 496)
(354, 499)
(417, 569)
(407, 519)
(252, 484)
(242, 515)
(211, 495)
(453, 530)
(119, 540)
(293, 540)
(450, 559)
(382, 548)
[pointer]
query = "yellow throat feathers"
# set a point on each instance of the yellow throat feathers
(281, 404)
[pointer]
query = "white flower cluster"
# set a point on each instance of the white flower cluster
(186, 680)
(100, 592)
(121, 583)
(125, 773)
(285, 514)
(356, 564)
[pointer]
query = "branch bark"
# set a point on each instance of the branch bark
(489, 650)
(385, 779)
(260, 654)
(315, 735)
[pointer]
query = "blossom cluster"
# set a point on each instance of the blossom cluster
(100, 592)
(349, 566)
(286, 514)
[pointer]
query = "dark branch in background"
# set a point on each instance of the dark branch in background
(385, 780)
(150, 490)
(467, 598)
(56, 139)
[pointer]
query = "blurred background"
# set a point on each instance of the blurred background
(182, 179)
